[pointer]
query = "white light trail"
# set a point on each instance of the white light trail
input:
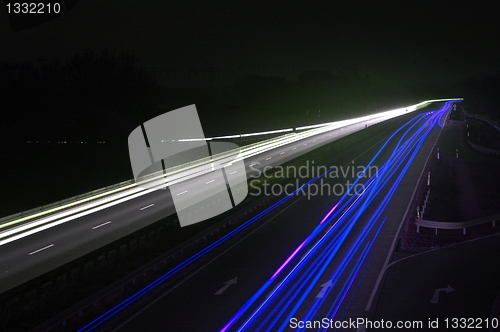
(58, 215)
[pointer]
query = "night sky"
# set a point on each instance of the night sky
(396, 42)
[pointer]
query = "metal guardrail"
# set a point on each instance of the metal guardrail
(483, 149)
(488, 120)
(485, 118)
(456, 224)
(453, 224)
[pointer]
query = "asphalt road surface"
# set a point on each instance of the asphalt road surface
(33, 255)
(456, 282)
(318, 256)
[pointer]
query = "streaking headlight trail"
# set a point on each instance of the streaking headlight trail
(292, 291)
(12, 229)
(286, 290)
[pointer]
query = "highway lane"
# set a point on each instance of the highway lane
(75, 238)
(284, 231)
(358, 289)
(322, 283)
(471, 269)
(184, 172)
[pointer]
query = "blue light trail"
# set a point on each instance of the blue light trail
(291, 293)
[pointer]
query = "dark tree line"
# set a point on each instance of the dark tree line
(105, 96)
(317, 96)
(85, 97)
(482, 94)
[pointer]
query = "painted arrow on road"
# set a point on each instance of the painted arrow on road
(227, 284)
(435, 298)
(325, 286)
